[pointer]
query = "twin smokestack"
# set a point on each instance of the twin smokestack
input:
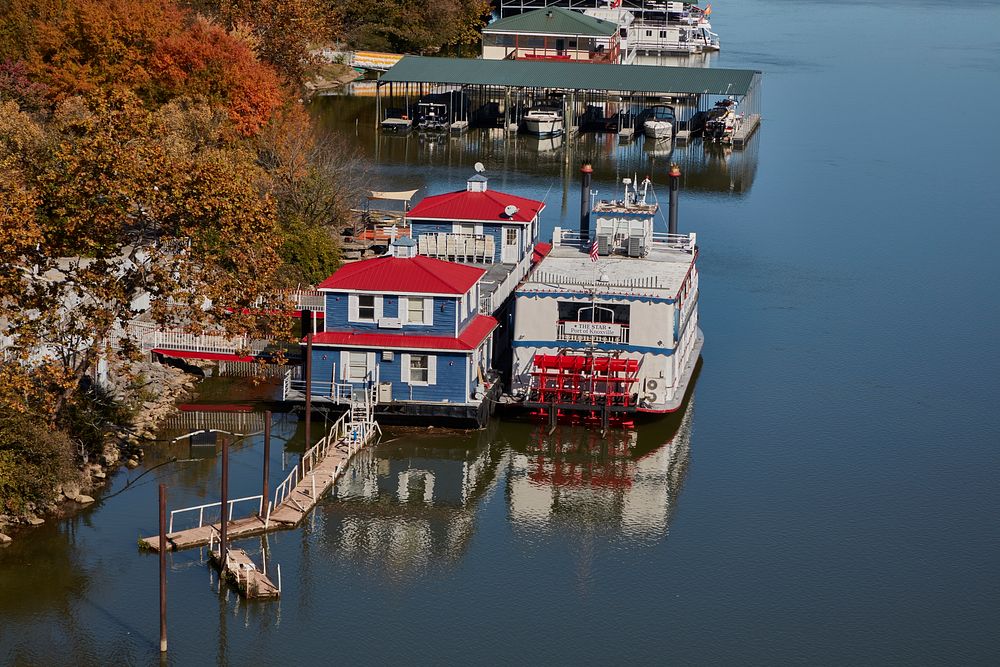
(587, 172)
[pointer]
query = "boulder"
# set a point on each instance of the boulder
(133, 462)
(83, 499)
(35, 520)
(5, 539)
(100, 474)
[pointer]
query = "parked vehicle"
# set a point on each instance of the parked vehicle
(438, 111)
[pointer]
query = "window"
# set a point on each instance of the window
(366, 307)
(419, 369)
(467, 229)
(415, 310)
(511, 236)
(663, 34)
(358, 366)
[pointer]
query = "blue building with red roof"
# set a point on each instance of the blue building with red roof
(476, 224)
(409, 325)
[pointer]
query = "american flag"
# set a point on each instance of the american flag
(593, 251)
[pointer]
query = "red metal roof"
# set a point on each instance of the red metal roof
(541, 251)
(471, 337)
(415, 275)
(486, 206)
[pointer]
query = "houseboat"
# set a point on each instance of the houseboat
(408, 330)
(555, 33)
(607, 323)
(491, 230)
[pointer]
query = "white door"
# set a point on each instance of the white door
(508, 250)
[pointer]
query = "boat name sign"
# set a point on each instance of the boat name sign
(592, 329)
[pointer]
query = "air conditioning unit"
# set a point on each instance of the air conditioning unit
(636, 246)
(652, 384)
(387, 355)
(604, 244)
(385, 391)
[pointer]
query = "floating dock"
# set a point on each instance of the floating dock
(319, 468)
(242, 571)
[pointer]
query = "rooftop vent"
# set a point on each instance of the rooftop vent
(404, 247)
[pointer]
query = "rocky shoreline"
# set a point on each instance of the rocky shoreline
(153, 400)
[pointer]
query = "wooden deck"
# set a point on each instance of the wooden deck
(242, 571)
(294, 498)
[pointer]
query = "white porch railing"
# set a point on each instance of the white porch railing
(458, 247)
(488, 303)
(208, 343)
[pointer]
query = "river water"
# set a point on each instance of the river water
(828, 496)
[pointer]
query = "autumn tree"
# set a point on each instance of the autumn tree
(113, 219)
(410, 26)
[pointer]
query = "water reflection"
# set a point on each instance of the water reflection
(410, 503)
(625, 483)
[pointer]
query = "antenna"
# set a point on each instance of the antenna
(509, 210)
(479, 167)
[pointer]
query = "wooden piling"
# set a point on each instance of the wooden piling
(224, 519)
(163, 568)
(267, 462)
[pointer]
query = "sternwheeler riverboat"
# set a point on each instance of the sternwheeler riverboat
(607, 323)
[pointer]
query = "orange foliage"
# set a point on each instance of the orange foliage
(205, 60)
(151, 47)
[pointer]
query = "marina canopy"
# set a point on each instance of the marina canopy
(572, 76)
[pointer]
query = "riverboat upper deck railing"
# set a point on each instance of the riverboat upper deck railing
(658, 240)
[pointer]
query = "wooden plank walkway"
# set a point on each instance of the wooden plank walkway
(294, 498)
(241, 570)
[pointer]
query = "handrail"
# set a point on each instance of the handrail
(201, 510)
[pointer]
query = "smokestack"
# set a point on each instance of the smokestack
(675, 186)
(586, 170)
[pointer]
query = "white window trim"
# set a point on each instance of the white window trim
(354, 308)
(404, 369)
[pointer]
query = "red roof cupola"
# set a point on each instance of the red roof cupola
(410, 275)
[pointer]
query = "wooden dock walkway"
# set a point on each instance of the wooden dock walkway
(294, 498)
(242, 571)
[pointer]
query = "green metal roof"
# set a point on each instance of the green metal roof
(553, 21)
(570, 75)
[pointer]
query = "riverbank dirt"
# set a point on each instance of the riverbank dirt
(329, 76)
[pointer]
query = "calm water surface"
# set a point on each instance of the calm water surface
(828, 496)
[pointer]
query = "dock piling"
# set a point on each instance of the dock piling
(163, 568)
(267, 460)
(223, 510)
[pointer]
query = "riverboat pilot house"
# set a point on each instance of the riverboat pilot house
(409, 325)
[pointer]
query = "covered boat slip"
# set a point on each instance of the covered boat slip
(500, 92)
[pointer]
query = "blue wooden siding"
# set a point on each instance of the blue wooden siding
(449, 387)
(338, 312)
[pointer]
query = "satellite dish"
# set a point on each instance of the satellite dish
(627, 181)
(509, 210)
(479, 167)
